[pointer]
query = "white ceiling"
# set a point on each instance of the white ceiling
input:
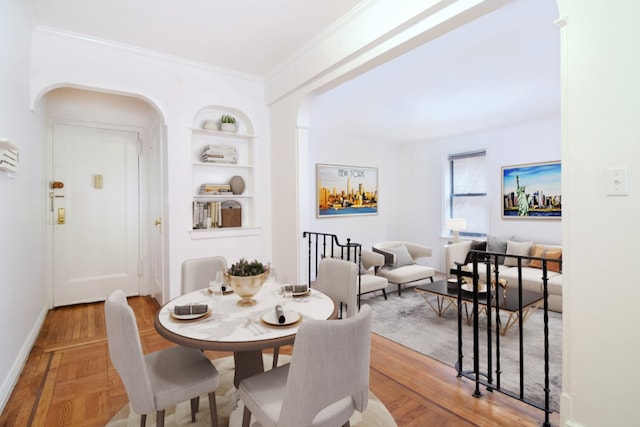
(249, 36)
(501, 69)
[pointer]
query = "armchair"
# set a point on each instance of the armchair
(401, 263)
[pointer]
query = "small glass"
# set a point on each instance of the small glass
(215, 288)
(287, 295)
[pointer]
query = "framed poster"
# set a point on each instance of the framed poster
(346, 190)
(532, 191)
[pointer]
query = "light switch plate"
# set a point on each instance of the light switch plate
(617, 182)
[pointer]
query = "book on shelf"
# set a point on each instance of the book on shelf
(219, 148)
(219, 154)
(206, 215)
(213, 189)
(228, 161)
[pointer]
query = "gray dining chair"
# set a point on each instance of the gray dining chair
(326, 381)
(339, 280)
(160, 379)
(198, 272)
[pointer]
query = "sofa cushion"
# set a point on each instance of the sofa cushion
(371, 282)
(402, 256)
(531, 278)
(498, 245)
(554, 285)
(477, 246)
(407, 273)
(549, 253)
(517, 248)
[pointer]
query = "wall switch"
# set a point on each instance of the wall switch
(617, 182)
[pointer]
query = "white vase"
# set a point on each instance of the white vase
(228, 127)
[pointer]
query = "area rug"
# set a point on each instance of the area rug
(376, 414)
(410, 321)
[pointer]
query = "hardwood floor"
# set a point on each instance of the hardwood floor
(68, 379)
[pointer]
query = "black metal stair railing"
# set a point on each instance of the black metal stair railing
(322, 245)
(489, 260)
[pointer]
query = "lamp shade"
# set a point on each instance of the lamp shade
(456, 224)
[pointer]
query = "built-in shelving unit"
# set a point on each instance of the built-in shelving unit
(209, 220)
(9, 157)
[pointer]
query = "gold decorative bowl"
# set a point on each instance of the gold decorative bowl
(245, 287)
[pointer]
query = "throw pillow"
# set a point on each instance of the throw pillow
(497, 245)
(402, 256)
(517, 248)
(549, 253)
(476, 246)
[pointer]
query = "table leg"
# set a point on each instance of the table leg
(248, 363)
(440, 309)
(514, 316)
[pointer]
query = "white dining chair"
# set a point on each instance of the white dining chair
(326, 381)
(339, 280)
(160, 379)
(198, 272)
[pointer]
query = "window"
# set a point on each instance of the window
(468, 191)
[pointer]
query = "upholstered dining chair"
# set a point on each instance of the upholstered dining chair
(339, 279)
(325, 382)
(198, 272)
(160, 379)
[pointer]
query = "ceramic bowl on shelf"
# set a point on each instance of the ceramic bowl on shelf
(209, 125)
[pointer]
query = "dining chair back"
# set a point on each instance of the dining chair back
(339, 280)
(160, 379)
(198, 272)
(326, 381)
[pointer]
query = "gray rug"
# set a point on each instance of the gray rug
(408, 320)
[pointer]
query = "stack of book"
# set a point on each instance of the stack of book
(206, 215)
(213, 189)
(225, 154)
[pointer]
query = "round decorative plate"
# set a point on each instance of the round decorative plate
(301, 294)
(190, 316)
(291, 317)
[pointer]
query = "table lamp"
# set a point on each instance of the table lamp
(456, 225)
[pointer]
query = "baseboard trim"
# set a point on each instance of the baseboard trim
(18, 364)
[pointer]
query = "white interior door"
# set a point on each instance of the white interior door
(95, 213)
(157, 232)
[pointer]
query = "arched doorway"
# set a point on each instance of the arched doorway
(105, 158)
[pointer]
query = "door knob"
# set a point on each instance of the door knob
(157, 222)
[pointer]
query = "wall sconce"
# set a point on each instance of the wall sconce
(456, 225)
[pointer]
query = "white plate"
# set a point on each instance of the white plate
(452, 280)
(190, 316)
(270, 318)
(482, 288)
(301, 294)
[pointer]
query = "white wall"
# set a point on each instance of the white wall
(22, 202)
(338, 150)
(180, 90)
(600, 130)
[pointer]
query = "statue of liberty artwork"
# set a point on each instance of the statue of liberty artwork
(523, 200)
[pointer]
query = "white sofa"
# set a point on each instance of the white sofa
(401, 265)
(531, 269)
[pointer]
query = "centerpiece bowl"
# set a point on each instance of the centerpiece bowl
(246, 280)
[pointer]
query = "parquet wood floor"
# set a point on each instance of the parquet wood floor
(68, 379)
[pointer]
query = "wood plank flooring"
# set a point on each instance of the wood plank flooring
(68, 379)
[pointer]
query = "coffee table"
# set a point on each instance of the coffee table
(447, 298)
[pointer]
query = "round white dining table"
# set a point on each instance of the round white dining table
(242, 330)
